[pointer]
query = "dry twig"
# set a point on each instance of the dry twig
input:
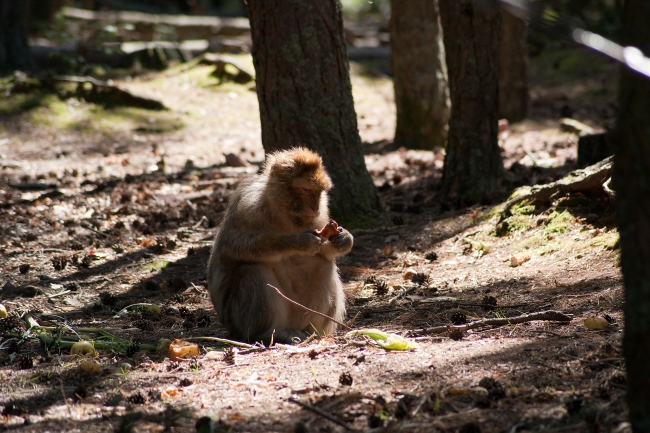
(541, 315)
(308, 309)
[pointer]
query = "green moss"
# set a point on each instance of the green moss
(16, 103)
(86, 117)
(531, 242)
(519, 222)
(519, 192)
(559, 222)
(156, 265)
(522, 209)
(608, 240)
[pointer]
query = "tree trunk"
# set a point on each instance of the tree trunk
(473, 162)
(632, 186)
(305, 96)
(14, 49)
(44, 11)
(419, 74)
(513, 69)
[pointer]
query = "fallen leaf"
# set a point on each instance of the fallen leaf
(519, 259)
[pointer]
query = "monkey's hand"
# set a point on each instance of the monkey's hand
(308, 243)
(338, 245)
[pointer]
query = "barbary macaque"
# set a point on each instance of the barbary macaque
(271, 234)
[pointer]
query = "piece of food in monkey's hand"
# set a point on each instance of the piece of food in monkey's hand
(330, 229)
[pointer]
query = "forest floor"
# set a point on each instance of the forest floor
(104, 208)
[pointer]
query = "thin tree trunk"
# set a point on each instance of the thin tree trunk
(473, 162)
(632, 180)
(305, 96)
(14, 49)
(419, 74)
(513, 69)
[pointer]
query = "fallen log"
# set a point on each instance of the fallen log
(204, 25)
(104, 93)
(585, 179)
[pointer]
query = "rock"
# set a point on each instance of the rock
(233, 160)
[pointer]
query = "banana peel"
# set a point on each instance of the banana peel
(385, 340)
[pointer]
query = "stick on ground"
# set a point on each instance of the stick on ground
(309, 309)
(540, 315)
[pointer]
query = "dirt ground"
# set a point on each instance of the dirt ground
(106, 208)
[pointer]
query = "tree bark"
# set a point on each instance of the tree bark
(419, 74)
(513, 69)
(305, 95)
(473, 162)
(14, 49)
(632, 186)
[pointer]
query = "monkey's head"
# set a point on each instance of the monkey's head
(296, 182)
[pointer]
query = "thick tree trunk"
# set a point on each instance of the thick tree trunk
(305, 96)
(473, 161)
(45, 10)
(14, 49)
(419, 74)
(632, 186)
(513, 69)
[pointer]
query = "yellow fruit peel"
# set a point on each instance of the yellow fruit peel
(180, 349)
(90, 366)
(385, 340)
(596, 323)
(83, 348)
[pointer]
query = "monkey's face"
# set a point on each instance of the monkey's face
(310, 199)
(296, 181)
(305, 200)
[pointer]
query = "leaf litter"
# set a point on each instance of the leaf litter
(99, 220)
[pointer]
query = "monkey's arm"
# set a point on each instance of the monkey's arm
(337, 245)
(267, 246)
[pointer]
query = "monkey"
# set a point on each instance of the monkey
(268, 236)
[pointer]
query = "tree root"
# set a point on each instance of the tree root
(540, 315)
(591, 177)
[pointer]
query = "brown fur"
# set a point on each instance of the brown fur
(267, 238)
